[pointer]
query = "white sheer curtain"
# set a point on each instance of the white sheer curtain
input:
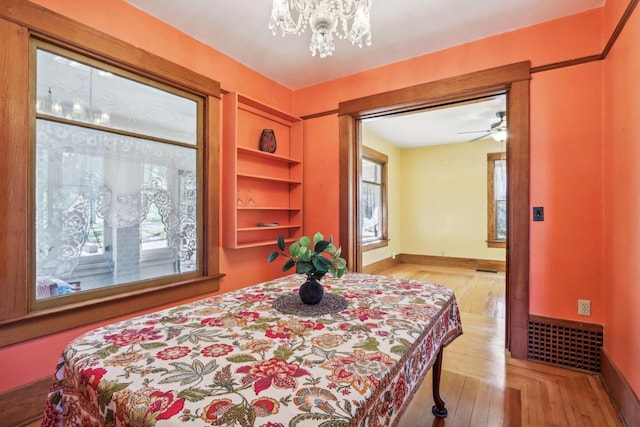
(85, 176)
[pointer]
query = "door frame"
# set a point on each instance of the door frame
(514, 80)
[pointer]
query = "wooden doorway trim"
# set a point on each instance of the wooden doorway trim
(511, 79)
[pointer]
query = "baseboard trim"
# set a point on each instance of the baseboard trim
(380, 265)
(621, 393)
(24, 404)
(444, 261)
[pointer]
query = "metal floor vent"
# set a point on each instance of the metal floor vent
(562, 345)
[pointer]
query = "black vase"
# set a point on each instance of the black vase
(311, 292)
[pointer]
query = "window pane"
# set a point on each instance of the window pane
(102, 200)
(500, 179)
(371, 171)
(76, 91)
(371, 211)
(501, 220)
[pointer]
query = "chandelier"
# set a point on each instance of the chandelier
(325, 18)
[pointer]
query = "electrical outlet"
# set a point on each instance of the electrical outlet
(584, 307)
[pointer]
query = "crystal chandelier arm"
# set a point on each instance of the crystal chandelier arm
(361, 27)
(281, 17)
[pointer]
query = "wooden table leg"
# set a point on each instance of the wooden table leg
(438, 409)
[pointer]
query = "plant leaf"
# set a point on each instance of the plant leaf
(281, 242)
(317, 237)
(321, 246)
(321, 265)
(294, 249)
(303, 267)
(287, 265)
(273, 256)
(305, 241)
(305, 255)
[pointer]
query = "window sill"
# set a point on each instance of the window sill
(496, 243)
(374, 245)
(48, 321)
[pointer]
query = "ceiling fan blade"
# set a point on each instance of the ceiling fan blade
(473, 131)
(480, 137)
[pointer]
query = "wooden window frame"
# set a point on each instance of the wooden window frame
(20, 22)
(492, 241)
(381, 159)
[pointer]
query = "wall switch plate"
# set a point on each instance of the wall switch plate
(584, 307)
(538, 213)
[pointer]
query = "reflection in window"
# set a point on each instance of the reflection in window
(116, 179)
(373, 203)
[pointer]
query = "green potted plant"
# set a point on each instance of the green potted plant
(314, 260)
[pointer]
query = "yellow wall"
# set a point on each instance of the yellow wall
(444, 200)
(437, 200)
(393, 197)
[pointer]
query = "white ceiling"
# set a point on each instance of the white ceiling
(438, 126)
(401, 29)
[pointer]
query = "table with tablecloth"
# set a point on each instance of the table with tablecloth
(233, 359)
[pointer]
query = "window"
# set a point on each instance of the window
(373, 199)
(116, 178)
(86, 104)
(496, 200)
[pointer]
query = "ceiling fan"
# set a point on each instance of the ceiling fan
(497, 131)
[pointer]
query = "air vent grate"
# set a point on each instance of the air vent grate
(576, 346)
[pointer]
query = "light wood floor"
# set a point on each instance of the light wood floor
(481, 385)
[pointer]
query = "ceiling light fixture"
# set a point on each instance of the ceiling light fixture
(499, 129)
(323, 17)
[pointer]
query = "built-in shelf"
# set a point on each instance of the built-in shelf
(271, 183)
(269, 156)
(266, 208)
(268, 178)
(278, 227)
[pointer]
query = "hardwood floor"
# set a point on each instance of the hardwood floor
(481, 385)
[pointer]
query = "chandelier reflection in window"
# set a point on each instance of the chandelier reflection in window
(326, 18)
(82, 107)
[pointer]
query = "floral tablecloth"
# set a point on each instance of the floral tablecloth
(235, 360)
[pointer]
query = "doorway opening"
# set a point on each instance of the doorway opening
(512, 80)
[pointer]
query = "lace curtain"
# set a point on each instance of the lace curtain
(84, 175)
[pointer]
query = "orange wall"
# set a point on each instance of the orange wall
(566, 249)
(566, 146)
(321, 180)
(566, 178)
(621, 285)
(541, 44)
